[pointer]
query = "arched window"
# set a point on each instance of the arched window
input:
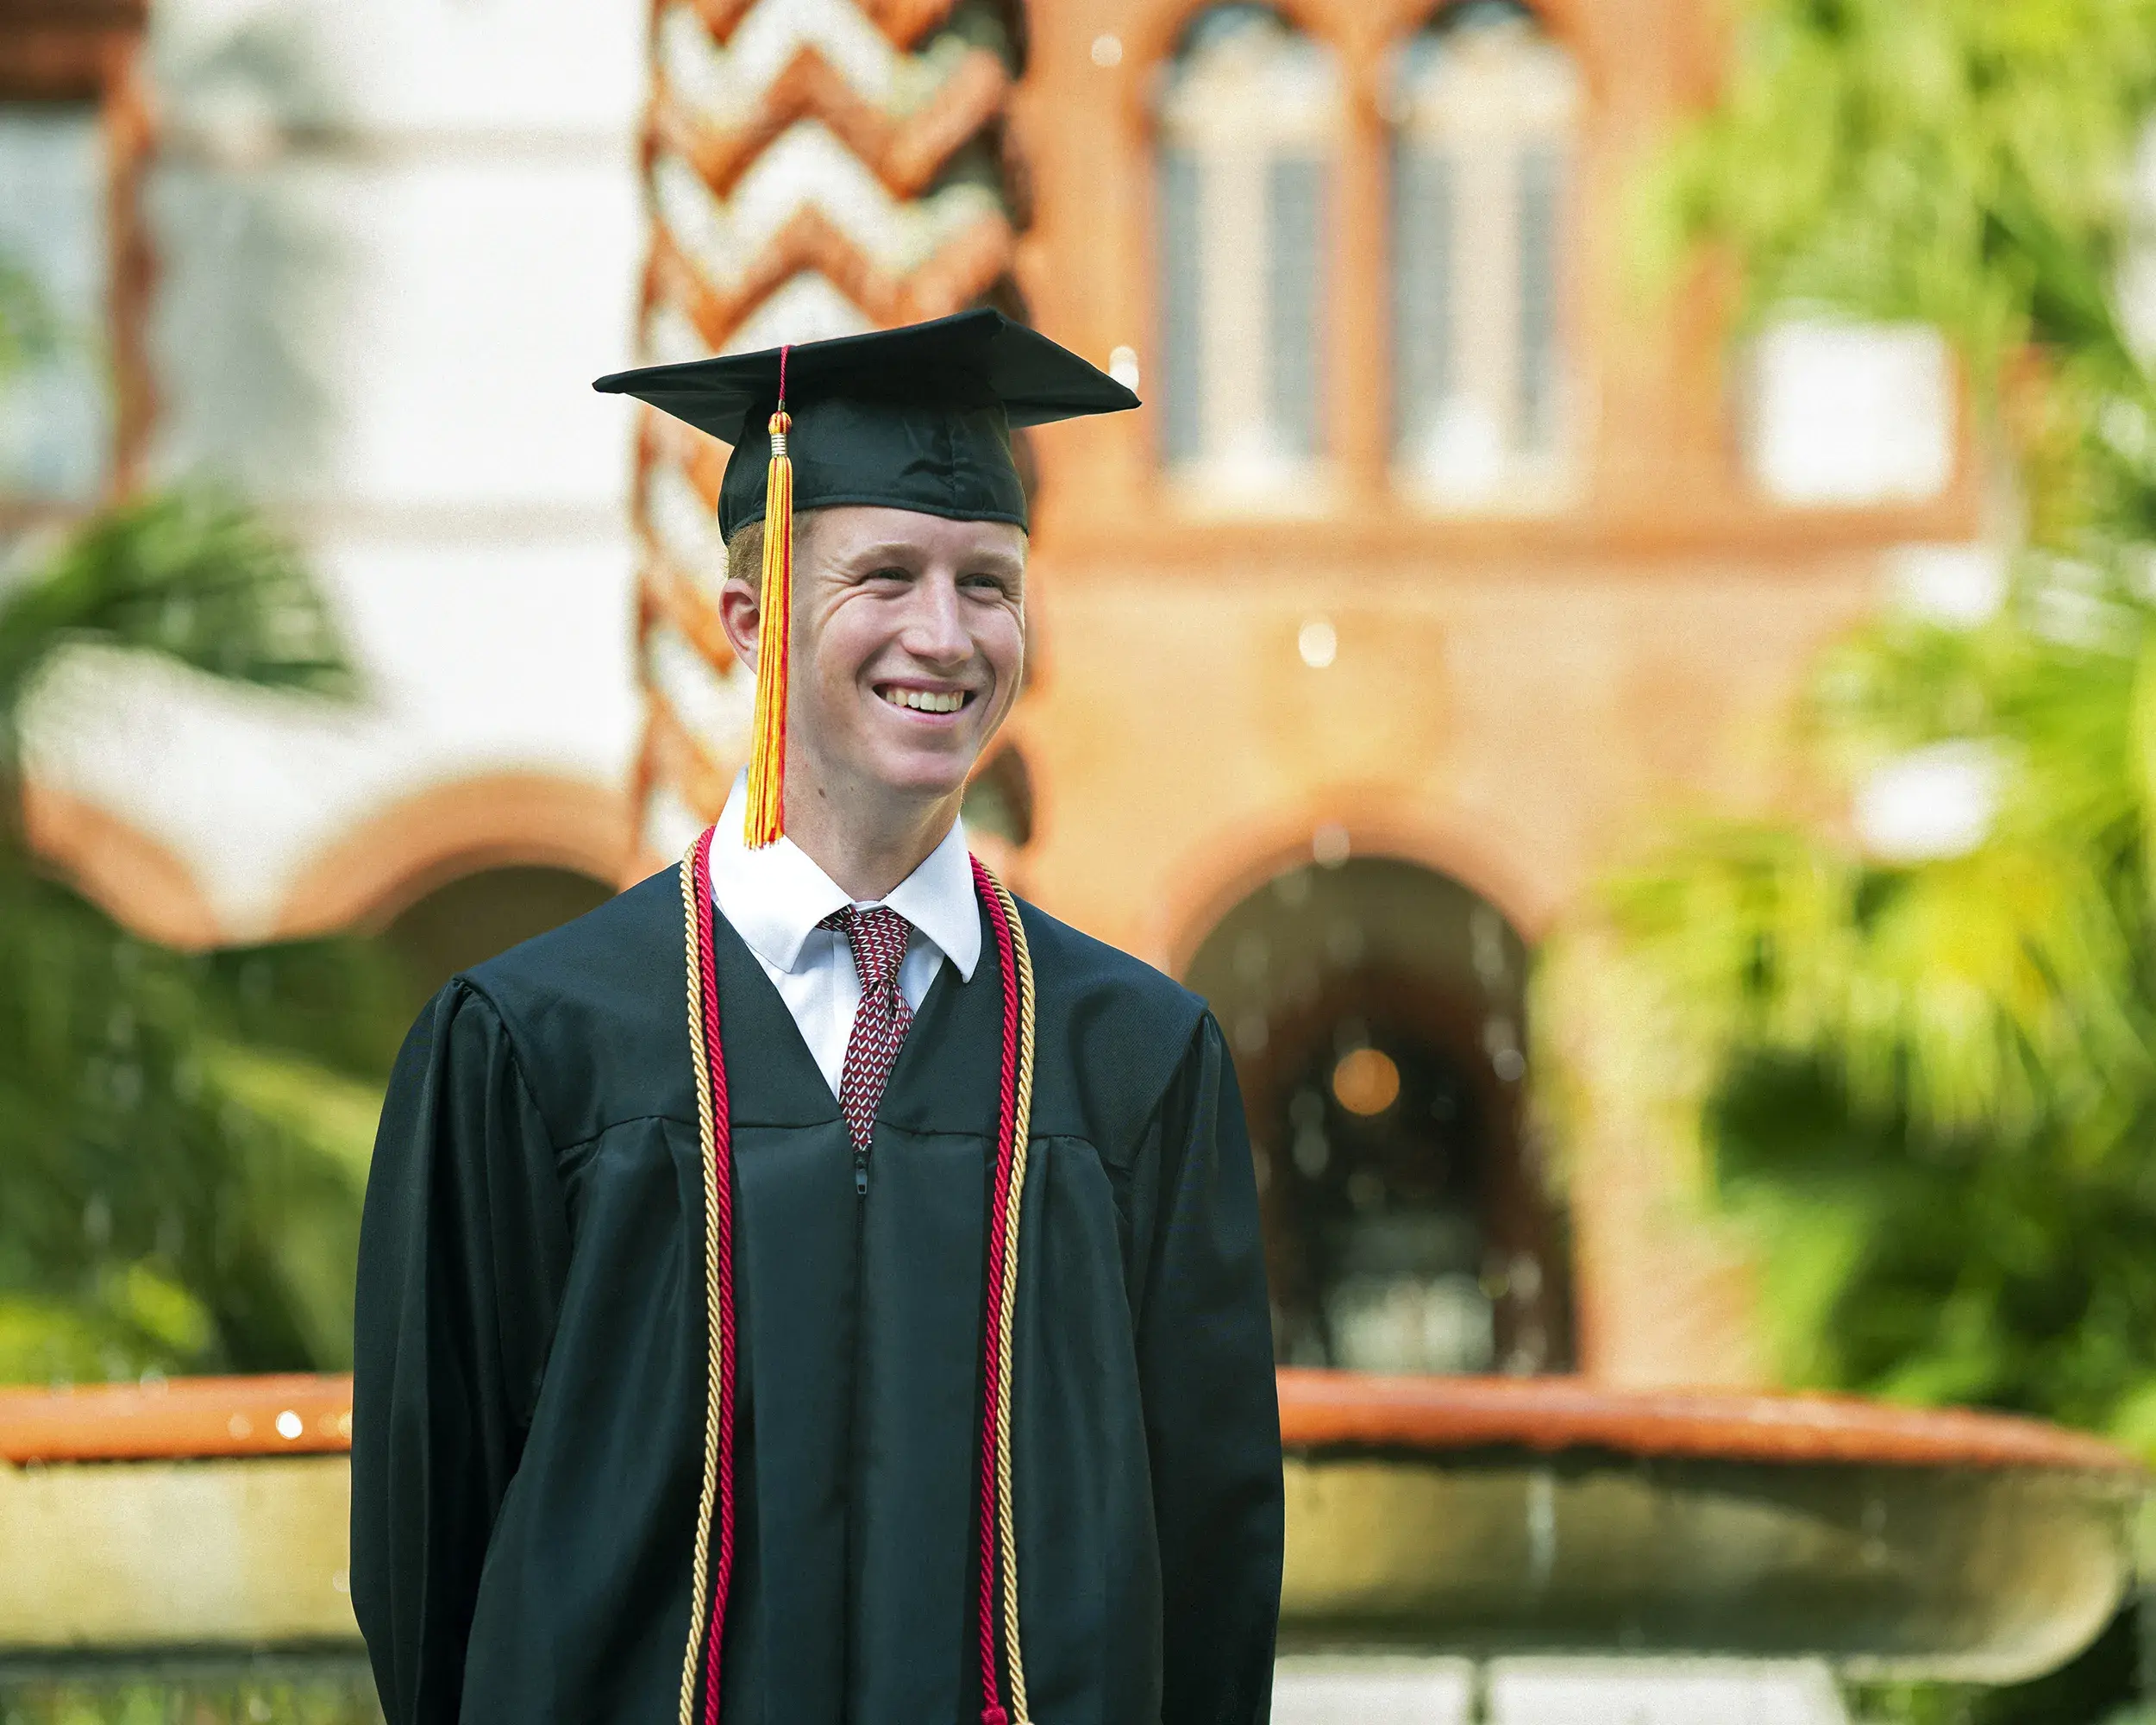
(1249, 120)
(1483, 109)
(1376, 1010)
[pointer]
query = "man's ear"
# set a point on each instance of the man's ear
(741, 613)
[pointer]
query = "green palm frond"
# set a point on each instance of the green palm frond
(2063, 686)
(1901, 686)
(1926, 1091)
(184, 1155)
(1927, 1088)
(145, 1141)
(1994, 990)
(193, 577)
(1954, 161)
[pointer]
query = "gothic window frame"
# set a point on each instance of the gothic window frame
(1656, 463)
(89, 52)
(1248, 440)
(1355, 468)
(1497, 162)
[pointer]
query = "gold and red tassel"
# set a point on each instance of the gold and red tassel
(765, 816)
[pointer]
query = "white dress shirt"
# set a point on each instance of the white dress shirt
(776, 896)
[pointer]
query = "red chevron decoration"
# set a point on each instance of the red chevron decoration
(813, 167)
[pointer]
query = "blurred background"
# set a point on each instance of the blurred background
(1618, 657)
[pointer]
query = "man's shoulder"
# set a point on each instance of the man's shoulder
(594, 1008)
(597, 958)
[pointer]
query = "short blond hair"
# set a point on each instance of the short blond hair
(744, 551)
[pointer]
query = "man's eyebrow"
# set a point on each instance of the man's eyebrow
(883, 552)
(900, 551)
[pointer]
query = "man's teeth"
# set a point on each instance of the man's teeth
(922, 700)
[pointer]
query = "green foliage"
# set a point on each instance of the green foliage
(190, 577)
(1926, 1087)
(1926, 1090)
(1929, 1085)
(1940, 1270)
(318, 1688)
(187, 1135)
(2084, 1692)
(1956, 162)
(188, 1199)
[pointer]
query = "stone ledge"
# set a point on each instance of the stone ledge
(166, 1554)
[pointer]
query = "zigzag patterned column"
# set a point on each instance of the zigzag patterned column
(813, 167)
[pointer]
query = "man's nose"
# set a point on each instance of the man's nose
(935, 627)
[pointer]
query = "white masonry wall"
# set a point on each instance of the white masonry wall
(397, 239)
(1393, 1690)
(396, 243)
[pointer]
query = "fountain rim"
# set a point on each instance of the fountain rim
(1325, 1410)
(177, 1418)
(1321, 1411)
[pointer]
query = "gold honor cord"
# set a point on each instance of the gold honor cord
(707, 1134)
(707, 1117)
(1021, 1128)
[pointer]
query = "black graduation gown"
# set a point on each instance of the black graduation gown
(530, 1403)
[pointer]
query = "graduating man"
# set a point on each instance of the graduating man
(814, 1287)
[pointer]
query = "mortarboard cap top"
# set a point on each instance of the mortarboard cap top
(918, 417)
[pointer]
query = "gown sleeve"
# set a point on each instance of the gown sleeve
(1211, 1404)
(463, 1252)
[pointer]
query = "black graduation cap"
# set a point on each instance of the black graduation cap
(918, 417)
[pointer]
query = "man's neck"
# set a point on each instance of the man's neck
(869, 839)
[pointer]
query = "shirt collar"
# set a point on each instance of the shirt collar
(776, 897)
(938, 898)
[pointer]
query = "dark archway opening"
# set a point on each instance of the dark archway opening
(1375, 1012)
(468, 920)
(999, 799)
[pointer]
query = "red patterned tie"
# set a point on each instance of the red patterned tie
(878, 936)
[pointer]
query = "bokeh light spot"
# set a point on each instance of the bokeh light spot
(1366, 1081)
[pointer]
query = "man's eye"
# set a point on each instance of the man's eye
(995, 584)
(889, 573)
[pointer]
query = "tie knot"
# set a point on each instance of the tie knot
(878, 936)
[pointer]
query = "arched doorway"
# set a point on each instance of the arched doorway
(468, 920)
(1376, 1011)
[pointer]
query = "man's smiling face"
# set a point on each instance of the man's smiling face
(909, 641)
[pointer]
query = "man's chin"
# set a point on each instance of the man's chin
(929, 779)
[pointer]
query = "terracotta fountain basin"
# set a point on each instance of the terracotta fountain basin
(1428, 1515)
(1507, 1516)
